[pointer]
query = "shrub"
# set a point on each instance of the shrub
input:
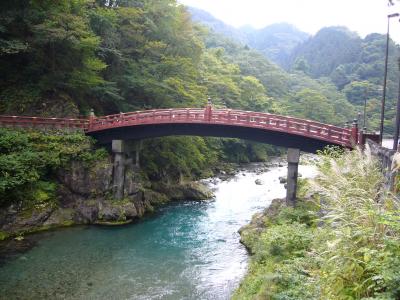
(29, 159)
(353, 253)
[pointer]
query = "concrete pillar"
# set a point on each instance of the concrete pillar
(138, 147)
(118, 149)
(293, 156)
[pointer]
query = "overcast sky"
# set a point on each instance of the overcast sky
(362, 16)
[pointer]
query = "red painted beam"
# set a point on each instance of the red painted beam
(296, 126)
(306, 128)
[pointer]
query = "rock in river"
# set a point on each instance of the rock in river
(259, 182)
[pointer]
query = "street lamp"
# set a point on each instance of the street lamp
(397, 124)
(385, 76)
(365, 107)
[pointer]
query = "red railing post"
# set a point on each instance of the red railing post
(348, 137)
(208, 110)
(92, 116)
(354, 132)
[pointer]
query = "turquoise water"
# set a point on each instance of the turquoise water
(188, 250)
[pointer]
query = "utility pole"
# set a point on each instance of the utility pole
(385, 77)
(365, 107)
(397, 124)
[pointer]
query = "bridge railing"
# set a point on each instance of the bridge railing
(341, 136)
(43, 123)
(143, 117)
(284, 123)
(307, 128)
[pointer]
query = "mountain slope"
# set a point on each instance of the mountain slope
(276, 41)
(329, 48)
(207, 19)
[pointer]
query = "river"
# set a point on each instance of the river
(187, 250)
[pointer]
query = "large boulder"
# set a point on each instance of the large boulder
(87, 181)
(185, 191)
(117, 210)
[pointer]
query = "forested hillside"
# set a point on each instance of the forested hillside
(275, 41)
(339, 60)
(63, 58)
(355, 66)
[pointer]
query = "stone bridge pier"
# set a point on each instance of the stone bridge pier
(123, 154)
(293, 158)
(125, 151)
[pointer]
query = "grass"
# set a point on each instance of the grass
(344, 243)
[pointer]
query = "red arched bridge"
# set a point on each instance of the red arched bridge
(293, 133)
(268, 128)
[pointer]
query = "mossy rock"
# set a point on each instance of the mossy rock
(155, 198)
(113, 223)
(3, 235)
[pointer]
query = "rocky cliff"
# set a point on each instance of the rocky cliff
(84, 196)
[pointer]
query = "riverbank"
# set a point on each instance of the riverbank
(340, 242)
(18, 227)
(59, 179)
(74, 208)
(277, 240)
(83, 196)
(184, 250)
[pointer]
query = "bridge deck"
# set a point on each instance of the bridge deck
(306, 128)
(208, 116)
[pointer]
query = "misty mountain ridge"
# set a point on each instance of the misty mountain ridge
(334, 55)
(275, 41)
(317, 55)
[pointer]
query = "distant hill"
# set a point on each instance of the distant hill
(207, 19)
(334, 56)
(324, 52)
(344, 57)
(276, 41)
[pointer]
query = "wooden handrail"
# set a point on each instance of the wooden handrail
(292, 125)
(267, 121)
(34, 122)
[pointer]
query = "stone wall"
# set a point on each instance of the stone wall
(385, 157)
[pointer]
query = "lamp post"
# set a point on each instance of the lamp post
(365, 109)
(397, 124)
(385, 76)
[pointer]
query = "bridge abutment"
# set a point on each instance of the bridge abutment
(125, 153)
(293, 157)
(118, 150)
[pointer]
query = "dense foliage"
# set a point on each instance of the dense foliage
(61, 58)
(345, 244)
(355, 66)
(335, 56)
(275, 41)
(29, 161)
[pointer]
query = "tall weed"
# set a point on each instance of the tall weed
(359, 236)
(343, 243)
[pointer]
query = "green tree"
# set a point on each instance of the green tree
(253, 95)
(312, 105)
(59, 56)
(358, 91)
